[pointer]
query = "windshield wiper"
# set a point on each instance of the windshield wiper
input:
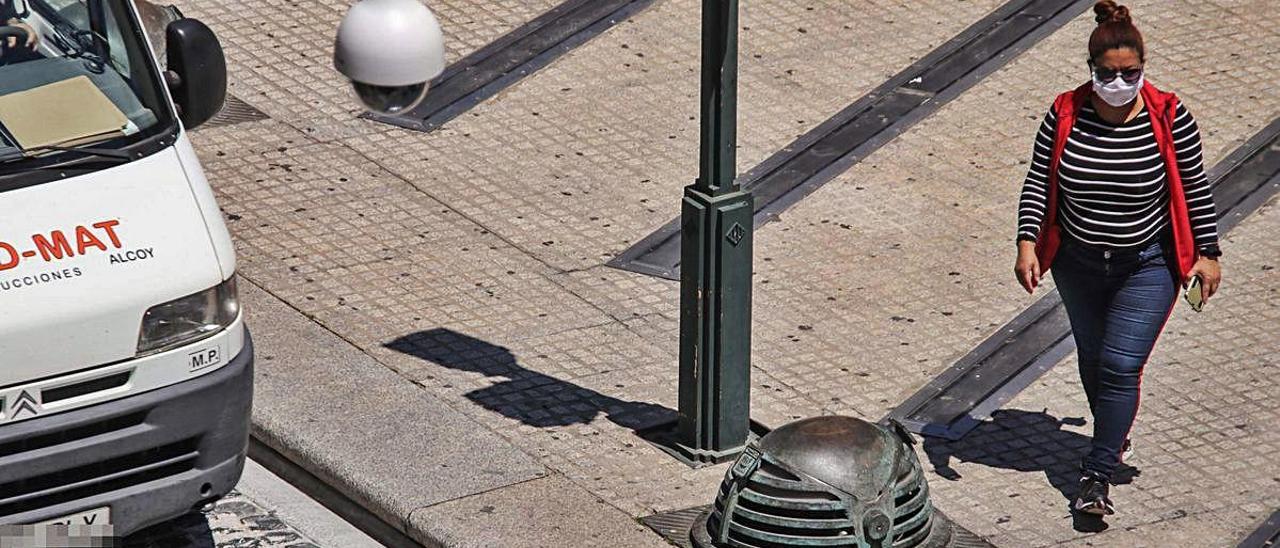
(17, 154)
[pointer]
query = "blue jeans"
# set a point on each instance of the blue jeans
(1118, 302)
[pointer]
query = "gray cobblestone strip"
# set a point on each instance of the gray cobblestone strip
(234, 522)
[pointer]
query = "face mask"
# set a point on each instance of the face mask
(1117, 92)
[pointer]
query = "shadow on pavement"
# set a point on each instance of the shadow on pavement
(1026, 441)
(533, 398)
(189, 531)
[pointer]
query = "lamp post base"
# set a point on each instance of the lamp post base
(715, 325)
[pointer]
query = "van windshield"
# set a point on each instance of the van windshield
(74, 74)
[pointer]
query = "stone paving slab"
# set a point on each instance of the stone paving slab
(537, 508)
(1205, 438)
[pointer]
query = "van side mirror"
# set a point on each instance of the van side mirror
(197, 74)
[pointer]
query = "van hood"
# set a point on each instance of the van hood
(82, 259)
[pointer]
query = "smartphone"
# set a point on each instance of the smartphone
(1195, 294)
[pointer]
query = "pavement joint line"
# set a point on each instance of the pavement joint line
(871, 121)
(488, 491)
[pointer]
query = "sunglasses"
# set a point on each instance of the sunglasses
(1130, 76)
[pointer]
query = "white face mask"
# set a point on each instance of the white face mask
(1117, 92)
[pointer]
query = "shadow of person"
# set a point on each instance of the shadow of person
(531, 397)
(1026, 441)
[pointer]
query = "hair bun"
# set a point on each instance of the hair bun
(1108, 11)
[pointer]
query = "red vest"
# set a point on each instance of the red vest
(1161, 108)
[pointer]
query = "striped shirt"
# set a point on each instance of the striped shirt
(1113, 191)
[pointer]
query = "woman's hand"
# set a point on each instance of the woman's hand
(1027, 269)
(1210, 276)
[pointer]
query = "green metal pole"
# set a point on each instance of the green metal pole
(715, 263)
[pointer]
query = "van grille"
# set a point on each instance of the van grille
(99, 384)
(101, 477)
(32, 443)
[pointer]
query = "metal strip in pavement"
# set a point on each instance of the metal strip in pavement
(873, 120)
(1266, 535)
(994, 372)
(234, 111)
(505, 61)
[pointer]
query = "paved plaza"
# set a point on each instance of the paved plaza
(440, 339)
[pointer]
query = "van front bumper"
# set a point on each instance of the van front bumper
(150, 457)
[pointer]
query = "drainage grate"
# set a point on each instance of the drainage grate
(235, 111)
(509, 59)
(1266, 535)
(870, 122)
(991, 375)
(674, 526)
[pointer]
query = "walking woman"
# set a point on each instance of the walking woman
(1117, 202)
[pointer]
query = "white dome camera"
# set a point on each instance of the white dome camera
(390, 50)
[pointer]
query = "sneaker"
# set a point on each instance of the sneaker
(1126, 451)
(1092, 498)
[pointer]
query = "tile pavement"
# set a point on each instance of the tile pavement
(470, 259)
(281, 52)
(608, 134)
(911, 249)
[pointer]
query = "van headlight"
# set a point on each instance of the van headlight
(183, 321)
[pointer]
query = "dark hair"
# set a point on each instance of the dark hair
(1115, 31)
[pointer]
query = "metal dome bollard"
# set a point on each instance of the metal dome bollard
(825, 481)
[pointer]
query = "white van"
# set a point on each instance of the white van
(125, 366)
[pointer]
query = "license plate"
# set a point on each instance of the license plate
(97, 516)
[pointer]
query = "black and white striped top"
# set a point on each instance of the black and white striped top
(1111, 182)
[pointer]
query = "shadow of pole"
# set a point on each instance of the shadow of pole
(528, 396)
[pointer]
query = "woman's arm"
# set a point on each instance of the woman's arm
(1199, 197)
(1032, 206)
(1195, 184)
(1035, 189)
